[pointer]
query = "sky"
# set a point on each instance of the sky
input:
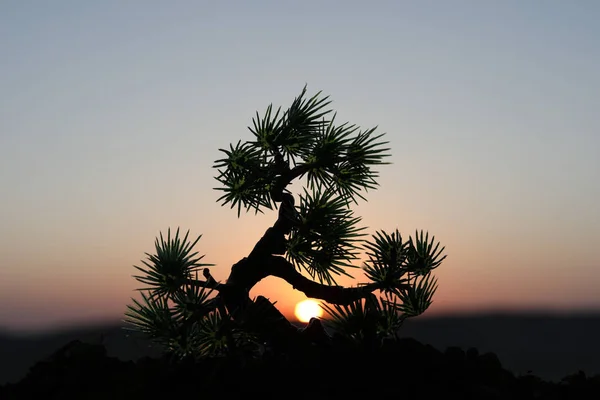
(112, 114)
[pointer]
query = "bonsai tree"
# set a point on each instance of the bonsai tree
(314, 239)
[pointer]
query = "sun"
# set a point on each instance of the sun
(307, 309)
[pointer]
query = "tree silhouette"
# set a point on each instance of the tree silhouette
(308, 245)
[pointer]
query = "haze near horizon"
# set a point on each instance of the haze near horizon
(112, 114)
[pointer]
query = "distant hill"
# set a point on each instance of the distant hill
(549, 346)
(19, 352)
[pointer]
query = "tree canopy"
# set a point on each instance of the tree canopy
(309, 245)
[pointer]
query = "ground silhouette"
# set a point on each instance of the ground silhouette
(335, 370)
(551, 347)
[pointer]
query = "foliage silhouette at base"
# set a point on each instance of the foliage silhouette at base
(331, 370)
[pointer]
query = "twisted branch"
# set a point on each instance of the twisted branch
(281, 268)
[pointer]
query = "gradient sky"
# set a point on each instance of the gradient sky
(112, 114)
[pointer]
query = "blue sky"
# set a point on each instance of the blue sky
(112, 114)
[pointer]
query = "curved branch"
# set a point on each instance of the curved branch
(281, 268)
(273, 241)
(286, 178)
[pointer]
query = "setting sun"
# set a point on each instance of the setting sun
(307, 309)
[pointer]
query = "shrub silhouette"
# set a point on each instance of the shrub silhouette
(81, 370)
(196, 317)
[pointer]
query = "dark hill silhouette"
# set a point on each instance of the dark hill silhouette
(549, 346)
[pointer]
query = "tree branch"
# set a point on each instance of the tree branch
(284, 179)
(273, 241)
(281, 268)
